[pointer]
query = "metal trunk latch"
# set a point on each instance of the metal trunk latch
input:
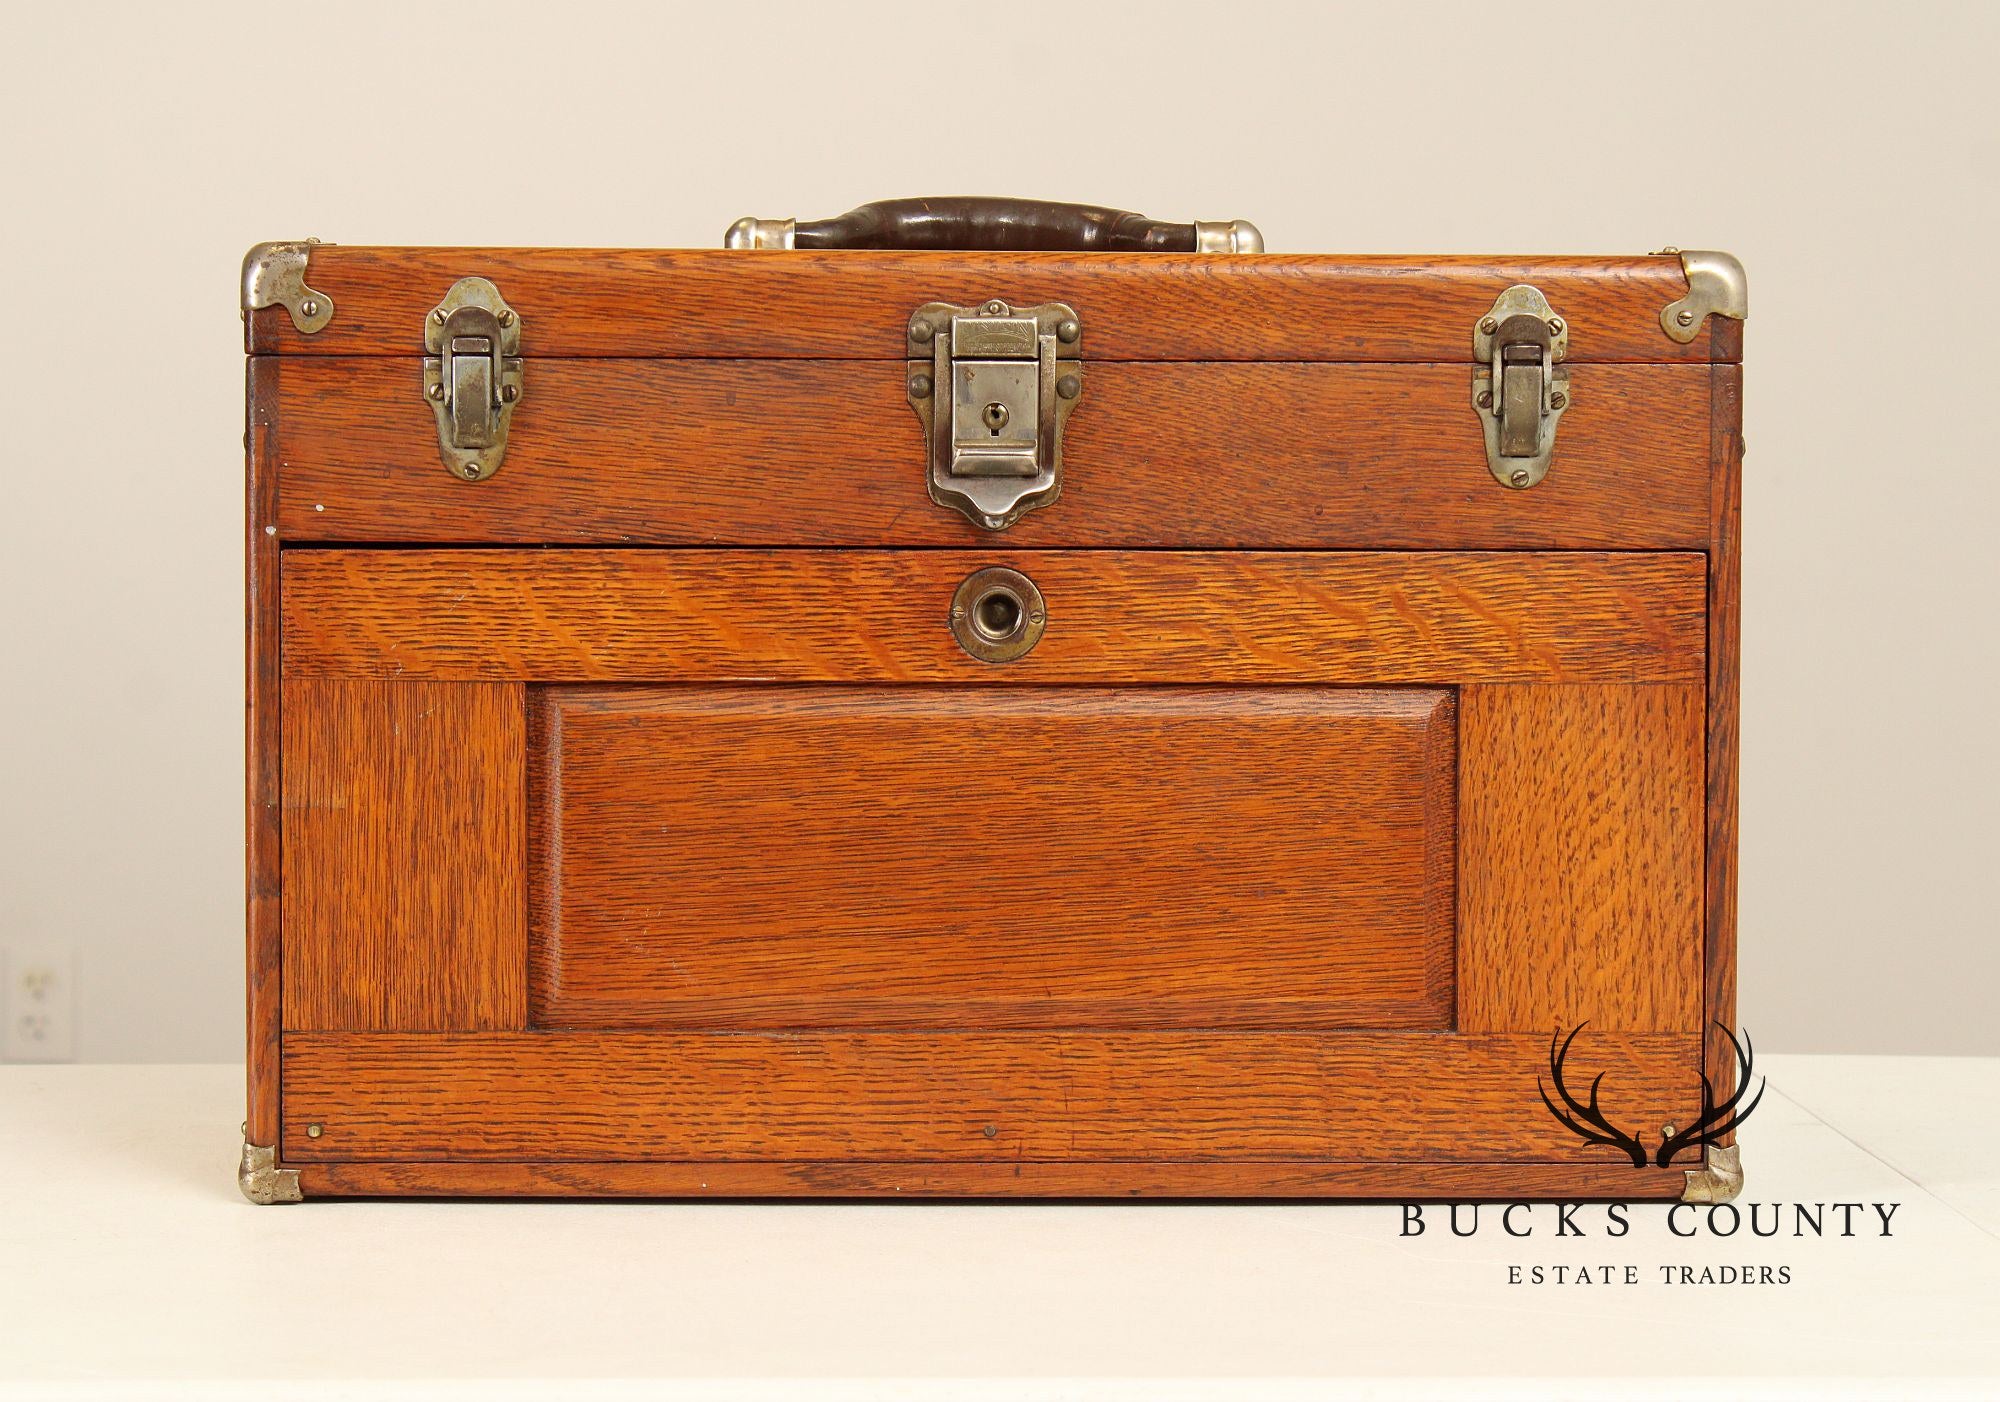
(472, 376)
(1519, 387)
(993, 386)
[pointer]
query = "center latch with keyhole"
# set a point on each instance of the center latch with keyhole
(993, 386)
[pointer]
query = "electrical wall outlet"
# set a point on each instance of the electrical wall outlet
(38, 1003)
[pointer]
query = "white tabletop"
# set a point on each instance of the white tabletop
(129, 1266)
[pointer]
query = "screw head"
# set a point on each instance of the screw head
(471, 470)
(1669, 1129)
(921, 330)
(990, 1131)
(1558, 399)
(309, 308)
(920, 386)
(505, 318)
(1520, 477)
(1488, 326)
(1486, 399)
(995, 307)
(1685, 318)
(437, 391)
(314, 1131)
(1069, 386)
(1555, 326)
(438, 316)
(1067, 331)
(510, 393)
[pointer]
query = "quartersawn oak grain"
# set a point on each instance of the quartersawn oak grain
(819, 452)
(951, 857)
(1725, 586)
(262, 771)
(405, 904)
(1410, 619)
(1580, 847)
(1122, 1178)
(856, 305)
(997, 1097)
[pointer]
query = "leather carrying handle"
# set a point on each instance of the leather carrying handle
(992, 224)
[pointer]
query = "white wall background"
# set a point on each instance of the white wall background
(1849, 154)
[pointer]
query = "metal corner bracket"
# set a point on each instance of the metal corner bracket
(1717, 286)
(1720, 1177)
(274, 275)
(262, 1181)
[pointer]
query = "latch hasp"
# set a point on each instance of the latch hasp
(1519, 387)
(472, 376)
(993, 386)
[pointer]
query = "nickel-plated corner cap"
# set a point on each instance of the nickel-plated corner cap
(1717, 286)
(760, 233)
(1720, 1176)
(274, 275)
(262, 1181)
(1227, 236)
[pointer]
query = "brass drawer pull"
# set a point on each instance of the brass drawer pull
(997, 614)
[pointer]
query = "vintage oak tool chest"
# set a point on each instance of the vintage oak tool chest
(977, 698)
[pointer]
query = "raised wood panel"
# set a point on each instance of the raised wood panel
(1580, 858)
(856, 305)
(961, 857)
(403, 856)
(1399, 1182)
(999, 1097)
(878, 616)
(828, 453)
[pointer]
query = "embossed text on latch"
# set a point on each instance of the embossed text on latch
(992, 386)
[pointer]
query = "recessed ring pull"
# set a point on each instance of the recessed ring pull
(997, 614)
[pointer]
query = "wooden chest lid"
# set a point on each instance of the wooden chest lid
(855, 305)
